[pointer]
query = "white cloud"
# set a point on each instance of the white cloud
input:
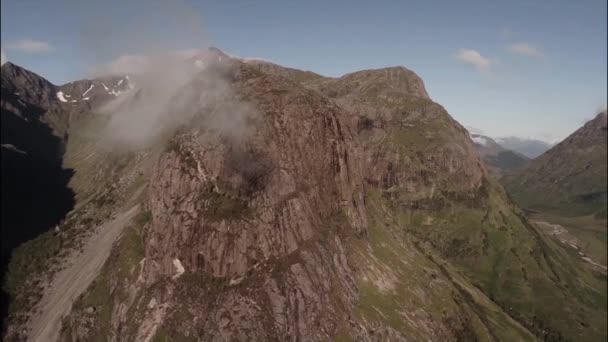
(137, 63)
(474, 58)
(125, 64)
(31, 46)
(474, 130)
(525, 49)
(3, 58)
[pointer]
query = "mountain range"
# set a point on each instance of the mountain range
(530, 148)
(497, 159)
(282, 205)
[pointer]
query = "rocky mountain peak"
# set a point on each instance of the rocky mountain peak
(397, 79)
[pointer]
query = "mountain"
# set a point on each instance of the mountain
(570, 178)
(33, 179)
(288, 205)
(530, 148)
(496, 158)
(35, 122)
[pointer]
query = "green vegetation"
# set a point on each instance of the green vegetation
(507, 161)
(223, 205)
(591, 232)
(498, 264)
(144, 217)
(28, 264)
(120, 270)
(395, 279)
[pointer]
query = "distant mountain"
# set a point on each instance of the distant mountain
(530, 148)
(570, 178)
(498, 160)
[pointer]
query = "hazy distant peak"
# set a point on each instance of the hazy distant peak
(530, 148)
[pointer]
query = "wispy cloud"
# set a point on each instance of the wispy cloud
(474, 58)
(526, 49)
(137, 63)
(31, 46)
(474, 130)
(3, 58)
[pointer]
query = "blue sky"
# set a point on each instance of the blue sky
(533, 68)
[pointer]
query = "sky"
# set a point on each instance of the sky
(526, 68)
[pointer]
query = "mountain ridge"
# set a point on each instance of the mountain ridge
(339, 214)
(571, 174)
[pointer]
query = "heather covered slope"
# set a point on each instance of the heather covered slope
(566, 186)
(570, 178)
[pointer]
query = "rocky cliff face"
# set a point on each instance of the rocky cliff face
(350, 208)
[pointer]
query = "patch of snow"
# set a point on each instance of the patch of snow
(127, 77)
(60, 96)
(85, 98)
(16, 94)
(179, 268)
(236, 281)
(199, 64)
(88, 90)
(152, 303)
(13, 148)
(119, 82)
(73, 101)
(104, 87)
(67, 95)
(480, 140)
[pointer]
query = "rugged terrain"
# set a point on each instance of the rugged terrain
(351, 208)
(570, 177)
(530, 148)
(566, 186)
(497, 159)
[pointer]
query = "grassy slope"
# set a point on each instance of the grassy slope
(570, 178)
(590, 231)
(34, 263)
(407, 285)
(122, 267)
(539, 282)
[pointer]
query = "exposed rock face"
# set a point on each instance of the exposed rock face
(260, 212)
(261, 195)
